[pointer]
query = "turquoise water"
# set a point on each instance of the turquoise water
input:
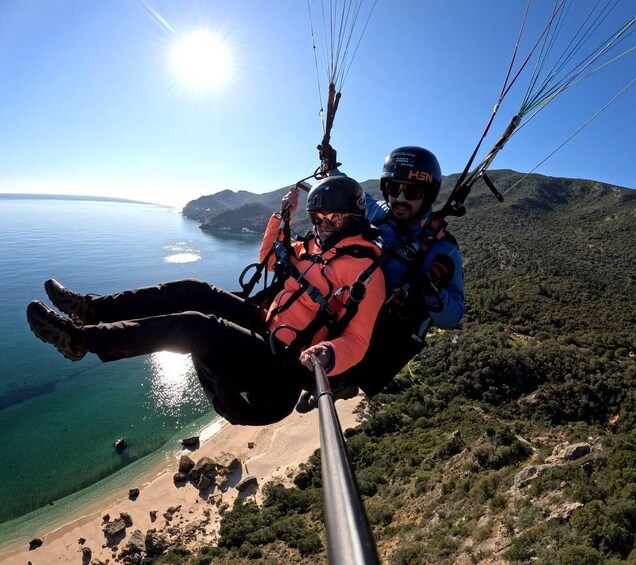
(59, 419)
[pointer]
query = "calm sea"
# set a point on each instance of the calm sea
(59, 419)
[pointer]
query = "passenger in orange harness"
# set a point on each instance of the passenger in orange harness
(251, 360)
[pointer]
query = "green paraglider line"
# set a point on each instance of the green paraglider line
(537, 97)
(618, 95)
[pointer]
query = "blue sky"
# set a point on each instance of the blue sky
(91, 104)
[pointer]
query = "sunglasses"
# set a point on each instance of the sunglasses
(411, 191)
(317, 218)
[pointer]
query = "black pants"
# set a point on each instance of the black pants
(390, 349)
(223, 333)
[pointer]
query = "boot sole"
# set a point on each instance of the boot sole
(39, 323)
(52, 289)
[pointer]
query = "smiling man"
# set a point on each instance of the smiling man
(424, 280)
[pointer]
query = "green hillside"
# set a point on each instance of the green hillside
(513, 438)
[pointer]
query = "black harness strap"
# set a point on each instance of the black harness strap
(268, 291)
(287, 269)
(412, 257)
(413, 254)
(331, 306)
(328, 314)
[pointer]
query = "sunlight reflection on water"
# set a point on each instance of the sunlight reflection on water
(181, 252)
(173, 380)
(182, 258)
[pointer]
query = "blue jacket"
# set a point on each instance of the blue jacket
(446, 308)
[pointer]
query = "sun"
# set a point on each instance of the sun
(201, 60)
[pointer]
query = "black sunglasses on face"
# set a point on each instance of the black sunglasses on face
(411, 191)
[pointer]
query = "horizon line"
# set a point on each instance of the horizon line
(62, 196)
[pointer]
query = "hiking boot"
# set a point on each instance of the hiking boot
(307, 401)
(69, 302)
(346, 392)
(62, 333)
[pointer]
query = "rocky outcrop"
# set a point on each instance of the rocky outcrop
(133, 551)
(87, 554)
(228, 463)
(562, 454)
(185, 464)
(222, 482)
(204, 466)
(569, 452)
(120, 444)
(249, 482)
(193, 528)
(208, 474)
(155, 544)
(528, 474)
(563, 512)
(203, 482)
(114, 531)
(179, 478)
(190, 441)
(170, 512)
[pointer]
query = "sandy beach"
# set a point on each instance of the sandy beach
(266, 453)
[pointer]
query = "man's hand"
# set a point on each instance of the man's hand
(322, 352)
(442, 270)
(290, 200)
(440, 274)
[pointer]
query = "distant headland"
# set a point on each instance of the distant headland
(24, 196)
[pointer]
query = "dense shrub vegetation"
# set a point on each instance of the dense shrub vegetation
(544, 357)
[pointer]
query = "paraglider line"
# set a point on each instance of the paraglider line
(158, 17)
(623, 90)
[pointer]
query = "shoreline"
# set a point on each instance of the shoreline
(277, 451)
(107, 490)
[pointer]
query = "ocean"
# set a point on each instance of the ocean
(59, 419)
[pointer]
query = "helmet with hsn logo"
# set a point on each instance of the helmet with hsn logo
(414, 165)
(337, 194)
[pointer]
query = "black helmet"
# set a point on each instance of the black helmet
(337, 194)
(414, 165)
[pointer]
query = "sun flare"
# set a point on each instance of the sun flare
(201, 60)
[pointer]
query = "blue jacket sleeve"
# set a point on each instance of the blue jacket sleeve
(377, 210)
(446, 308)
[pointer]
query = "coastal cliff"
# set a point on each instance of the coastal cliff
(247, 212)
